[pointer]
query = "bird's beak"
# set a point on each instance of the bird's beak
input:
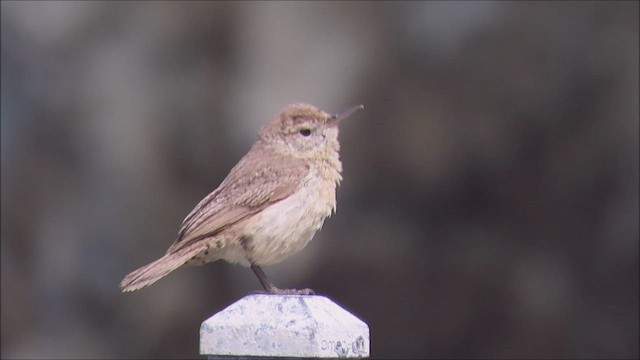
(336, 118)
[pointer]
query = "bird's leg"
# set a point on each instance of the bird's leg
(266, 284)
(269, 288)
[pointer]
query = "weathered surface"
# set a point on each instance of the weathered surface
(284, 326)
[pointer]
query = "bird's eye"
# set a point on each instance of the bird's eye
(305, 132)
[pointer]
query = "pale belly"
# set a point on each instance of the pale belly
(286, 227)
(279, 231)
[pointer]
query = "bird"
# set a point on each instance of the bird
(270, 205)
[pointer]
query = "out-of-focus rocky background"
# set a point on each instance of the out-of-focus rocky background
(490, 201)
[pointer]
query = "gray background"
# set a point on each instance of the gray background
(490, 200)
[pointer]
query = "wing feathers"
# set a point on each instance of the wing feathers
(259, 179)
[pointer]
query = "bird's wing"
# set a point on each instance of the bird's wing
(258, 180)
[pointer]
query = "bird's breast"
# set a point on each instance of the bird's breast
(286, 227)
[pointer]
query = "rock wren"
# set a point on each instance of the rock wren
(269, 206)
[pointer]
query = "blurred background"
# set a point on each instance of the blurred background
(489, 207)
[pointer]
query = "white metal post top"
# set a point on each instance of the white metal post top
(284, 326)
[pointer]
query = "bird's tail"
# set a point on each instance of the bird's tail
(158, 269)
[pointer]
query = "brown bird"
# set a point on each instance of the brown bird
(269, 206)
